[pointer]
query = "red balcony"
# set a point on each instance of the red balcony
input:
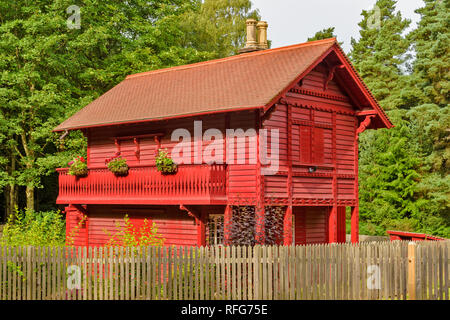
(192, 184)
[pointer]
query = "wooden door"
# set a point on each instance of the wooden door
(311, 225)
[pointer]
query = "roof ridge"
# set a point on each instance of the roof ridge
(234, 57)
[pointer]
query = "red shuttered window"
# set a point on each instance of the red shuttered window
(311, 144)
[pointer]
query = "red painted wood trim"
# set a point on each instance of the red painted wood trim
(201, 229)
(355, 225)
(333, 215)
(259, 208)
(140, 136)
(320, 107)
(319, 94)
(300, 202)
(332, 224)
(312, 124)
(225, 150)
(289, 185)
(355, 209)
(88, 147)
(366, 113)
(287, 223)
(334, 157)
(227, 221)
(315, 174)
(287, 226)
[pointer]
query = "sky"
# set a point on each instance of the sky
(293, 21)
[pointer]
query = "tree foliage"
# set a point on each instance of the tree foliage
(324, 34)
(49, 71)
(404, 180)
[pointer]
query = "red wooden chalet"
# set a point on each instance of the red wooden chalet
(309, 93)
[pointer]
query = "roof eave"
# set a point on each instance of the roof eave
(137, 121)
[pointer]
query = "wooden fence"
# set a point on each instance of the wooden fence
(381, 270)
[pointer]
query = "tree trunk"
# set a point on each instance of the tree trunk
(11, 200)
(11, 191)
(30, 197)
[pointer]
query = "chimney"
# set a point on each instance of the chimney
(262, 34)
(255, 43)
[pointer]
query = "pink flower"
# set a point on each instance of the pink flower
(70, 163)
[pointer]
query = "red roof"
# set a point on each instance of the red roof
(245, 81)
(413, 235)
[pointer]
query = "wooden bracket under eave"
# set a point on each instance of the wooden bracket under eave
(363, 126)
(332, 70)
(192, 212)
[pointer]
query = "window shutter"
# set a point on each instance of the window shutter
(305, 144)
(318, 146)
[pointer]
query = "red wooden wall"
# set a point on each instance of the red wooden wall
(176, 226)
(316, 118)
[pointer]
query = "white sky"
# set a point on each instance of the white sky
(293, 21)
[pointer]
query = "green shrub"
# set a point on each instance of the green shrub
(129, 235)
(35, 229)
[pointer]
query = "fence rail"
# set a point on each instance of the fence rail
(381, 270)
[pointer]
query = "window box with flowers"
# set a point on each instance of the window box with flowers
(164, 163)
(78, 167)
(118, 166)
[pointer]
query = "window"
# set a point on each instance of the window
(312, 144)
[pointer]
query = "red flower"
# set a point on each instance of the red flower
(80, 158)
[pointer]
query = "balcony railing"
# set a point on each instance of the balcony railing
(192, 184)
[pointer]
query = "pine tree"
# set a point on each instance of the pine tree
(430, 117)
(388, 167)
(381, 51)
(431, 41)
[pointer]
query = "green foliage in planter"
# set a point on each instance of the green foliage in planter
(118, 166)
(78, 167)
(34, 229)
(164, 163)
